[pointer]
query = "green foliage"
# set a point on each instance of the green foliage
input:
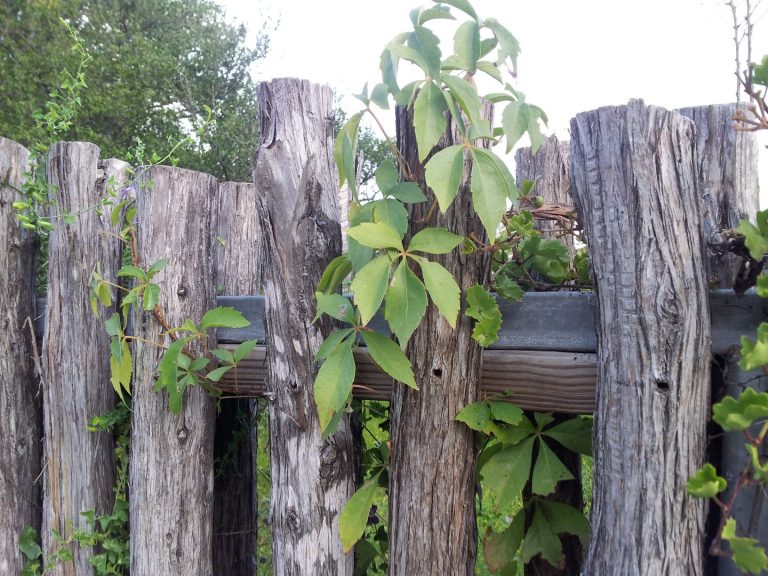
(482, 306)
(354, 516)
(747, 554)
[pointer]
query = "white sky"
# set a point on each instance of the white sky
(576, 54)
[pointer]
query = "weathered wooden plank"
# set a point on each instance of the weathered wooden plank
(79, 465)
(634, 184)
(171, 469)
(20, 415)
(298, 208)
(235, 501)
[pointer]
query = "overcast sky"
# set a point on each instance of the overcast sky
(576, 54)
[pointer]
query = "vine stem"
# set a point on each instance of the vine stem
(395, 151)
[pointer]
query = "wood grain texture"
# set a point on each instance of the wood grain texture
(171, 469)
(20, 408)
(298, 209)
(634, 183)
(79, 465)
(726, 172)
(235, 503)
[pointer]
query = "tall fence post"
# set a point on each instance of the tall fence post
(79, 465)
(20, 417)
(548, 168)
(432, 470)
(298, 209)
(634, 183)
(171, 468)
(239, 262)
(727, 170)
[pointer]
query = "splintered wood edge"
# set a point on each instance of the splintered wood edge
(534, 380)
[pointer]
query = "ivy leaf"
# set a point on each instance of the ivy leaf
(548, 471)
(462, 5)
(500, 549)
(369, 286)
(515, 120)
(223, 317)
(476, 415)
(334, 274)
(466, 95)
(408, 193)
(760, 470)
(376, 235)
(429, 123)
(575, 434)
(386, 176)
(336, 306)
(434, 241)
(443, 174)
(505, 473)
(508, 289)
(466, 45)
(755, 237)
(509, 47)
(354, 515)
(345, 152)
(391, 212)
(542, 539)
(330, 343)
(755, 354)
(442, 288)
(333, 385)
(482, 306)
(564, 518)
(424, 41)
(506, 412)
(732, 414)
(705, 483)
(389, 357)
(747, 554)
(405, 302)
(492, 184)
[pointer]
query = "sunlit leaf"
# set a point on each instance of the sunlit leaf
(333, 385)
(492, 184)
(330, 343)
(404, 303)
(466, 95)
(336, 306)
(391, 212)
(386, 176)
(429, 122)
(739, 414)
(408, 192)
(354, 515)
(376, 235)
(389, 357)
(434, 241)
(705, 483)
(443, 174)
(223, 317)
(506, 412)
(747, 554)
(515, 120)
(482, 306)
(466, 45)
(369, 286)
(442, 288)
(476, 415)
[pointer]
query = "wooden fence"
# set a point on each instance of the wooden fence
(652, 188)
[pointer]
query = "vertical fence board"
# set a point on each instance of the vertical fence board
(171, 470)
(235, 506)
(79, 465)
(298, 209)
(20, 417)
(432, 472)
(633, 180)
(549, 169)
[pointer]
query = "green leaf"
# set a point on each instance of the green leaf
(387, 176)
(28, 543)
(218, 373)
(542, 539)
(336, 306)
(492, 184)
(405, 302)
(508, 289)
(548, 471)
(151, 296)
(491, 69)
(760, 470)
(466, 95)
(442, 288)
(334, 274)
(424, 41)
(747, 554)
(466, 45)
(760, 72)
(391, 212)
(482, 306)
(132, 271)
(755, 354)
(376, 235)
(543, 419)
(732, 414)
(345, 152)
(331, 342)
(436, 13)
(705, 483)
(575, 434)
(388, 66)
(243, 349)
(500, 549)
(564, 518)
(505, 473)
(354, 515)
(462, 5)
(506, 412)
(389, 357)
(113, 325)
(762, 286)
(156, 267)
(534, 132)
(224, 355)
(167, 371)
(369, 286)
(508, 44)
(380, 96)
(476, 415)
(333, 385)
(121, 368)
(434, 241)
(408, 193)
(223, 317)
(359, 255)
(515, 120)
(443, 174)
(429, 122)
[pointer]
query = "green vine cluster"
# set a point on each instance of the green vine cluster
(394, 273)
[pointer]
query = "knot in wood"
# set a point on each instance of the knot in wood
(330, 464)
(182, 434)
(182, 291)
(292, 520)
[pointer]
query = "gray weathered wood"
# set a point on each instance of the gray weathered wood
(79, 465)
(20, 416)
(432, 471)
(726, 168)
(634, 183)
(235, 503)
(299, 213)
(171, 469)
